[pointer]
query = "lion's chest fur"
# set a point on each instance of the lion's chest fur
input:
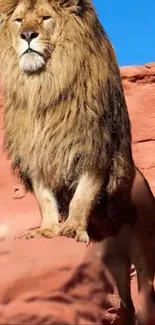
(54, 143)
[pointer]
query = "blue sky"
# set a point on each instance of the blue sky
(130, 24)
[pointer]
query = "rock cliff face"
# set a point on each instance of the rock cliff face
(58, 281)
(139, 87)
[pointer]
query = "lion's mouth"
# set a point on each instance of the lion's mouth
(29, 50)
(31, 61)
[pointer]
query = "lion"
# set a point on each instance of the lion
(66, 125)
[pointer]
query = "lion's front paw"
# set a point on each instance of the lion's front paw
(69, 230)
(82, 236)
(40, 233)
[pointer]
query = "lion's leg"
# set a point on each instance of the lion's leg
(49, 213)
(80, 208)
(115, 257)
(143, 247)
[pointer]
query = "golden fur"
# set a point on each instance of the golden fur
(66, 124)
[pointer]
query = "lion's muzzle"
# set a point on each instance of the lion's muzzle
(31, 51)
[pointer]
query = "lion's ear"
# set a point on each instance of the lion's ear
(74, 5)
(7, 6)
(68, 3)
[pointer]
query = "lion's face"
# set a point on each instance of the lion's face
(33, 29)
(36, 27)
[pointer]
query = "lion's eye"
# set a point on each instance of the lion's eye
(46, 17)
(18, 20)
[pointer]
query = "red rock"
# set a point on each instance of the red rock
(55, 282)
(139, 87)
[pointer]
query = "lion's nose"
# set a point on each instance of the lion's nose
(29, 35)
